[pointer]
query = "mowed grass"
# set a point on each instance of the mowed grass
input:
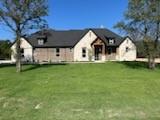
(110, 91)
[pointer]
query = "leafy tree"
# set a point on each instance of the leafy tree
(142, 21)
(5, 50)
(21, 16)
(140, 49)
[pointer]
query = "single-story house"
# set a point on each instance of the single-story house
(76, 45)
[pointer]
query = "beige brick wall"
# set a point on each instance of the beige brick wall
(112, 56)
(49, 54)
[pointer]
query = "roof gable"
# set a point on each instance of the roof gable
(106, 35)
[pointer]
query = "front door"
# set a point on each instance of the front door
(98, 52)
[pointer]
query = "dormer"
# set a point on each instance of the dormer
(41, 40)
(111, 41)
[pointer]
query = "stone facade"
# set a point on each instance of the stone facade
(127, 51)
(51, 54)
(85, 42)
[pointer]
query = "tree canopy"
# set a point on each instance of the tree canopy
(21, 16)
(142, 22)
(5, 51)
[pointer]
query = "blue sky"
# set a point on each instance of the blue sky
(80, 14)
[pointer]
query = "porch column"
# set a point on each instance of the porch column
(103, 53)
(103, 49)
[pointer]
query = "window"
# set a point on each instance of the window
(109, 51)
(90, 34)
(70, 49)
(22, 52)
(127, 49)
(111, 41)
(57, 52)
(127, 41)
(83, 52)
(40, 41)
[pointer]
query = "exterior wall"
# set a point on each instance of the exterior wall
(113, 56)
(86, 42)
(75, 54)
(28, 51)
(49, 54)
(131, 54)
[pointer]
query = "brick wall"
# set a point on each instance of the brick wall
(49, 54)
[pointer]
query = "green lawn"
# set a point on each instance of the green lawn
(110, 91)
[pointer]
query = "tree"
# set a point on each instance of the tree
(142, 21)
(5, 51)
(21, 16)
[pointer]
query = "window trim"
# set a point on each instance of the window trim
(127, 49)
(111, 41)
(84, 51)
(127, 41)
(40, 41)
(57, 52)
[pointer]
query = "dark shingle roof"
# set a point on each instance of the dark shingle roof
(70, 38)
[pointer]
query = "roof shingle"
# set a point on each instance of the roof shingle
(70, 38)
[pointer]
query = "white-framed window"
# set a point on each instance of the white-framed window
(127, 49)
(40, 41)
(83, 52)
(57, 52)
(111, 41)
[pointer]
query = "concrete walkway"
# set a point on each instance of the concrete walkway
(6, 62)
(157, 60)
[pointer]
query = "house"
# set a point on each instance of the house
(76, 45)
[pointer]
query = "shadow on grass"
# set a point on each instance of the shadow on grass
(135, 64)
(29, 67)
(36, 66)
(7, 65)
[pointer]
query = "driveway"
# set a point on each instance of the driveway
(157, 60)
(5, 62)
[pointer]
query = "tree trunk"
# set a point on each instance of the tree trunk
(151, 62)
(18, 54)
(18, 65)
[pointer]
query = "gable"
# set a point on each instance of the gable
(85, 42)
(98, 41)
(24, 44)
(87, 39)
(106, 35)
(127, 41)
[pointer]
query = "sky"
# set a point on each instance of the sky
(80, 14)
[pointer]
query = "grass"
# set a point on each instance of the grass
(110, 91)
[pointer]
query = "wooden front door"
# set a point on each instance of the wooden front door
(98, 52)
